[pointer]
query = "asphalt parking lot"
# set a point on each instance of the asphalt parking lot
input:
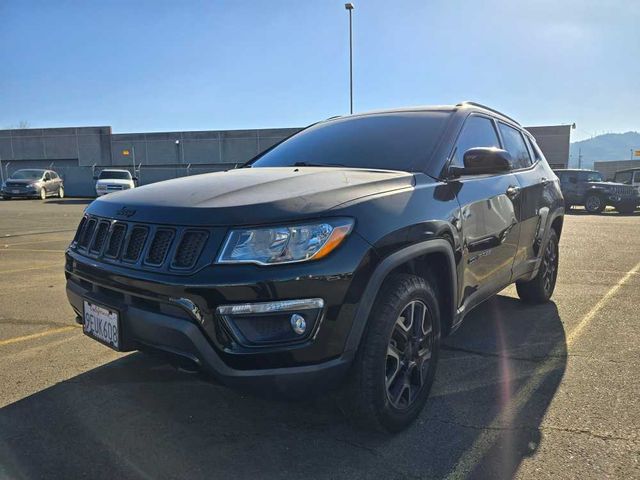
(548, 391)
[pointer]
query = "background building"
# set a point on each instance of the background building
(608, 169)
(78, 154)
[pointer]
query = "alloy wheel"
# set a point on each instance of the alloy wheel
(408, 355)
(43, 194)
(593, 203)
(549, 265)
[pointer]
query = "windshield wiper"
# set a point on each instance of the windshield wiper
(309, 164)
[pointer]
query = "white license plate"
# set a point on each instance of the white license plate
(15, 191)
(102, 324)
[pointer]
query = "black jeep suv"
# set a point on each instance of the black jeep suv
(588, 188)
(340, 256)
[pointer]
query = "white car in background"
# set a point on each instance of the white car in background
(112, 180)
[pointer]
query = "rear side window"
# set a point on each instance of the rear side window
(514, 144)
(477, 132)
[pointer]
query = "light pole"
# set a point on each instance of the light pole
(349, 6)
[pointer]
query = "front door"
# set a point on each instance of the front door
(490, 229)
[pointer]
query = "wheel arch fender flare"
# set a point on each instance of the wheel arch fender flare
(386, 266)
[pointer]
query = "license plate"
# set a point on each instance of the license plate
(101, 323)
(15, 191)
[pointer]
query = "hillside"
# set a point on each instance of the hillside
(611, 146)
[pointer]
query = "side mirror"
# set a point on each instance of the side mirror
(482, 161)
(135, 179)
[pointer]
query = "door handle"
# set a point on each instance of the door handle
(513, 191)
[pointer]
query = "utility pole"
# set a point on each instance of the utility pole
(349, 6)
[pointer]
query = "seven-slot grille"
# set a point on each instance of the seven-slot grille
(623, 190)
(134, 244)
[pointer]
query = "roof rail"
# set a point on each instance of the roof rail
(476, 104)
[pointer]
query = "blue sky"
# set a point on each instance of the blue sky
(182, 65)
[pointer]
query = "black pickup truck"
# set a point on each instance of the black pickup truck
(339, 257)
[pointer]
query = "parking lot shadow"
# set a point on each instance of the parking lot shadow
(138, 418)
(71, 201)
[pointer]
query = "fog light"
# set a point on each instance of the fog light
(298, 324)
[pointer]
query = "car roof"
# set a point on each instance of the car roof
(466, 106)
(574, 170)
(115, 170)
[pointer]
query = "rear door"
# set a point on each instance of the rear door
(490, 229)
(534, 177)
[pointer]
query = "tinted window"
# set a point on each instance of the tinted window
(27, 174)
(514, 144)
(54, 175)
(47, 177)
(623, 177)
(477, 132)
(591, 177)
(533, 150)
(114, 175)
(393, 141)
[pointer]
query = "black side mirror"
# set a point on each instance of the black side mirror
(482, 161)
(135, 179)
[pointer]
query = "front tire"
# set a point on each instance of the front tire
(594, 203)
(4, 197)
(540, 288)
(395, 366)
(61, 192)
(43, 194)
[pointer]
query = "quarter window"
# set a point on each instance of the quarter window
(514, 144)
(477, 132)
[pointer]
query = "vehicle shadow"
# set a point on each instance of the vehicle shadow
(606, 213)
(138, 418)
(71, 201)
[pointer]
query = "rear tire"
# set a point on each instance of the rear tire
(392, 374)
(61, 192)
(594, 203)
(540, 288)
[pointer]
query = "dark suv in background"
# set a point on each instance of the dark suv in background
(588, 188)
(340, 256)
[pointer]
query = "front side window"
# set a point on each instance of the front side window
(514, 144)
(391, 141)
(47, 177)
(477, 132)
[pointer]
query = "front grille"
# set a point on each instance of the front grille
(115, 240)
(114, 187)
(87, 232)
(189, 248)
(135, 244)
(159, 247)
(623, 190)
(141, 246)
(100, 236)
(16, 184)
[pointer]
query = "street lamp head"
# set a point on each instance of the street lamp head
(348, 6)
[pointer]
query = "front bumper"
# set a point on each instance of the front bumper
(20, 193)
(153, 318)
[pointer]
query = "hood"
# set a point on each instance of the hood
(21, 181)
(113, 181)
(607, 184)
(248, 196)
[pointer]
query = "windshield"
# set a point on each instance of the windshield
(111, 175)
(595, 177)
(27, 175)
(390, 141)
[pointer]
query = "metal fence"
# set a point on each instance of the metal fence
(79, 181)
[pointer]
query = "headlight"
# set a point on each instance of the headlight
(287, 244)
